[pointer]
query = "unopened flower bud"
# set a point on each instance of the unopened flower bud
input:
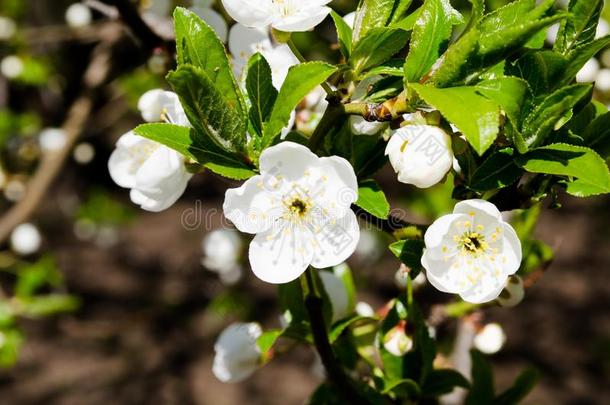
(490, 339)
(513, 292)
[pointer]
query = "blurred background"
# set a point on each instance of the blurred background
(101, 302)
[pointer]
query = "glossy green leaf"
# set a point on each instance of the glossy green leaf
(371, 14)
(482, 388)
(400, 10)
(590, 171)
(580, 26)
(409, 252)
(597, 135)
(209, 111)
(261, 92)
(443, 381)
(579, 56)
(185, 141)
(509, 93)
(430, 37)
(477, 117)
(266, 341)
(198, 44)
(543, 70)
(542, 120)
(372, 199)
(344, 34)
(301, 79)
(497, 171)
(377, 47)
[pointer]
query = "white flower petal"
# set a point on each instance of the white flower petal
(251, 13)
(288, 158)
(302, 21)
(336, 239)
(237, 353)
(282, 253)
(511, 250)
(337, 293)
(214, 20)
(436, 232)
(251, 207)
(476, 207)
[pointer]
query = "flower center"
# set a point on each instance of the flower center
(298, 207)
(472, 243)
(285, 7)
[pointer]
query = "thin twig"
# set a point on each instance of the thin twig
(336, 374)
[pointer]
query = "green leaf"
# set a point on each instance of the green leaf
(482, 389)
(393, 67)
(542, 69)
(430, 37)
(261, 92)
(400, 9)
(579, 56)
(477, 117)
(543, 118)
(340, 327)
(589, 169)
(185, 141)
(344, 34)
(371, 14)
(198, 44)
(372, 199)
(497, 171)
(378, 46)
(405, 388)
(409, 252)
(291, 301)
(443, 381)
(266, 341)
(344, 273)
(507, 16)
(209, 111)
(40, 306)
(508, 92)
(580, 26)
(523, 385)
(301, 79)
(597, 135)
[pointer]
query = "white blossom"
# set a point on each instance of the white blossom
(420, 154)
(78, 15)
(490, 339)
(602, 81)
(283, 15)
(299, 209)
(237, 353)
(360, 126)
(588, 73)
(245, 42)
(221, 253)
(11, 67)
(156, 174)
(7, 28)
(365, 309)
(513, 292)
(396, 341)
(52, 139)
(471, 252)
(25, 239)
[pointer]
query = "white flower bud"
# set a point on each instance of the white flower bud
(420, 154)
(603, 29)
(78, 15)
(11, 67)
(490, 339)
(52, 139)
(222, 251)
(25, 239)
(602, 82)
(360, 126)
(589, 71)
(396, 341)
(237, 353)
(364, 309)
(7, 28)
(513, 293)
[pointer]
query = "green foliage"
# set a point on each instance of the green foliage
(580, 25)
(377, 47)
(477, 117)
(300, 81)
(372, 199)
(409, 252)
(430, 37)
(261, 92)
(344, 34)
